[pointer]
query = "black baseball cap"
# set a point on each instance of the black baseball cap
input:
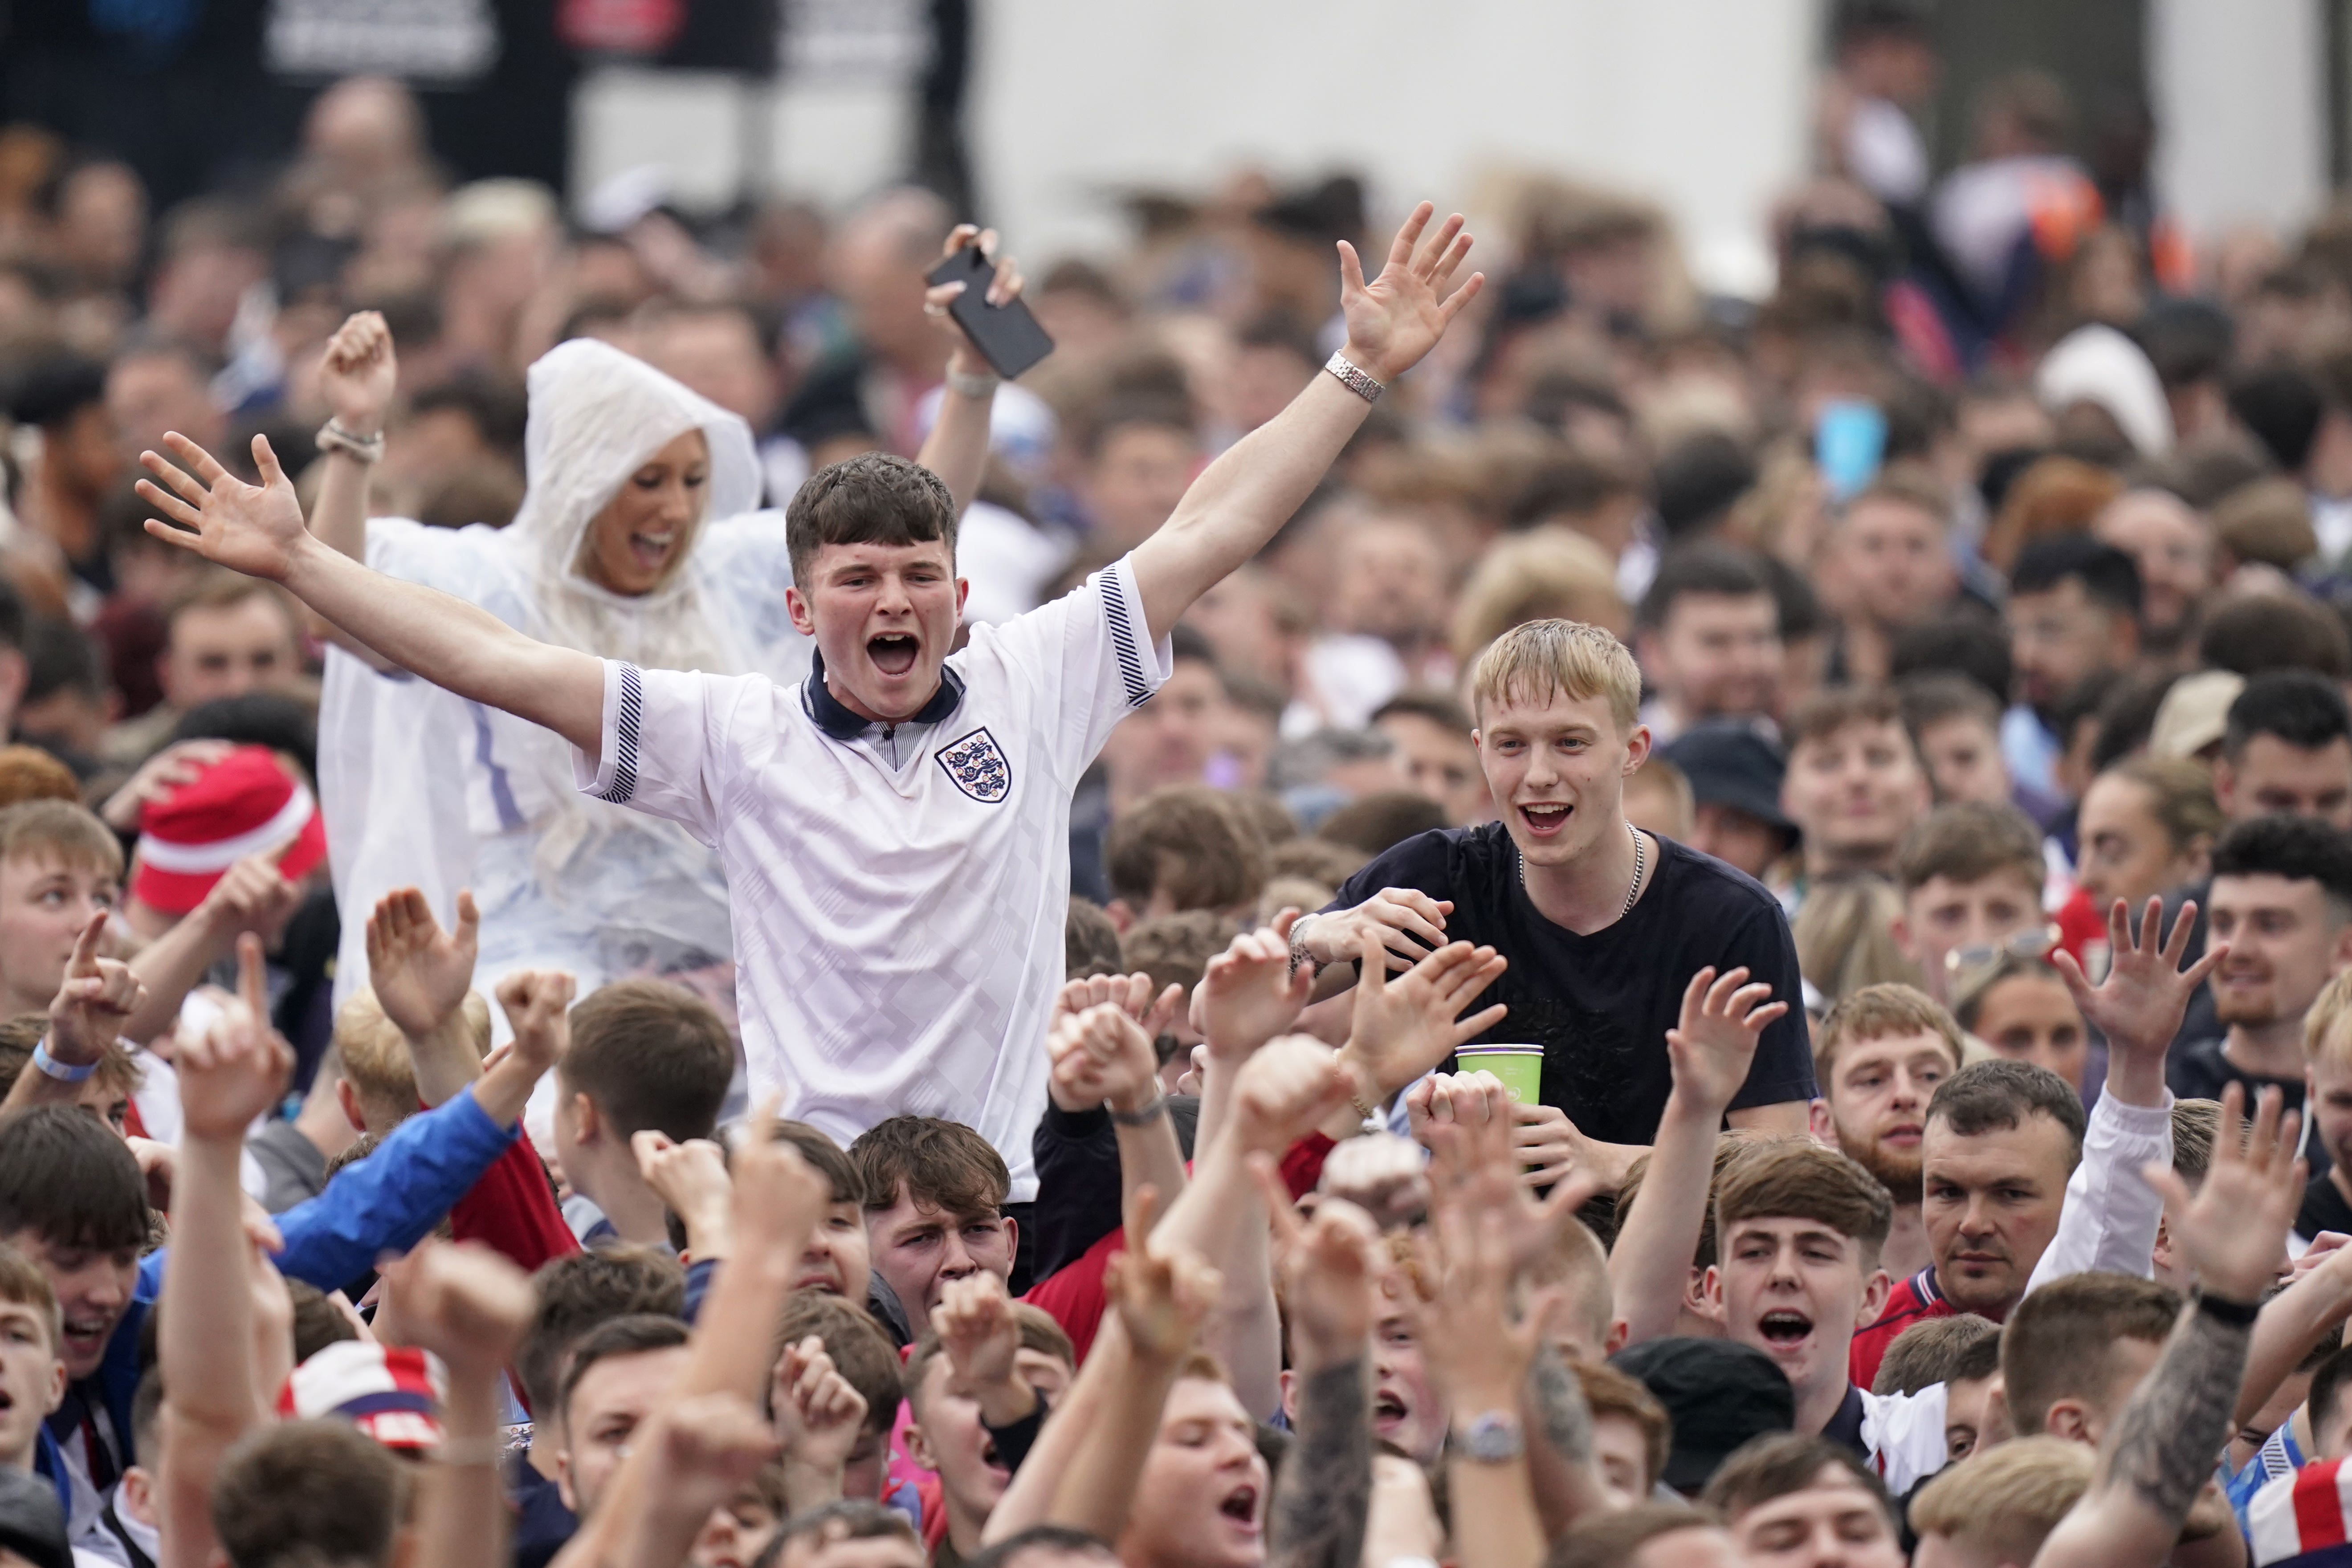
(32, 1522)
(1718, 1393)
(1729, 763)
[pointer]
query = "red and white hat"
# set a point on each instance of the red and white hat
(391, 1392)
(246, 804)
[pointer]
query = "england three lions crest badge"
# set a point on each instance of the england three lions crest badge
(978, 768)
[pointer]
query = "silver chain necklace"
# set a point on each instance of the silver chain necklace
(1633, 891)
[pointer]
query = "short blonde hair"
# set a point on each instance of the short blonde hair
(1546, 572)
(2010, 1496)
(2328, 1028)
(375, 1052)
(1549, 658)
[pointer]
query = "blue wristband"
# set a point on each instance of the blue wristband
(57, 1069)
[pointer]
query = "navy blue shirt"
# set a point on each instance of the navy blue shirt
(1601, 1004)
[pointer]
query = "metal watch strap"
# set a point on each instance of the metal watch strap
(334, 437)
(1299, 956)
(1143, 1116)
(1354, 379)
(1491, 1438)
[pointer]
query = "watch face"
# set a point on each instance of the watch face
(1491, 1438)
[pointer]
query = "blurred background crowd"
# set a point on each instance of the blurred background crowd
(1999, 451)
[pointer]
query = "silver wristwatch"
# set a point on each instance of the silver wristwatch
(1355, 378)
(1299, 957)
(1492, 1438)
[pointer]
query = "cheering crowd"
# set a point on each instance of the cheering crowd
(1419, 903)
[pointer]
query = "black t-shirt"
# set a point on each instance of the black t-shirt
(2201, 1071)
(1601, 1004)
(2324, 1208)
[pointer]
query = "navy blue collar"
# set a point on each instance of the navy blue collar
(838, 722)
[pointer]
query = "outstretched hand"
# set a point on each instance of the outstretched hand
(2139, 1006)
(419, 973)
(1714, 1043)
(1403, 1026)
(1398, 317)
(252, 529)
(2233, 1230)
(1249, 993)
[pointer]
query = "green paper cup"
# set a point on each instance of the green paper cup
(1519, 1067)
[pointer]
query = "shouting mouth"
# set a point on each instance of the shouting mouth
(893, 653)
(1546, 818)
(1784, 1328)
(651, 551)
(1241, 1506)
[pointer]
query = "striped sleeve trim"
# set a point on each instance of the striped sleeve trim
(628, 734)
(1123, 644)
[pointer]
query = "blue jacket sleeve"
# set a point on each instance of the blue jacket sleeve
(390, 1201)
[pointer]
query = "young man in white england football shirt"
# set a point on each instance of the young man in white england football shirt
(894, 831)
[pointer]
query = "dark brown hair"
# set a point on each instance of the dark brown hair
(1189, 841)
(1997, 1095)
(1779, 1463)
(1612, 1539)
(649, 1054)
(1967, 840)
(861, 1352)
(870, 499)
(307, 1492)
(1610, 1391)
(640, 1333)
(936, 1161)
(1796, 1178)
(1959, 1349)
(2060, 1340)
(581, 1290)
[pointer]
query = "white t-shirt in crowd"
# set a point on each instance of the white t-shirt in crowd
(899, 895)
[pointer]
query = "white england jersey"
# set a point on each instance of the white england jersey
(899, 896)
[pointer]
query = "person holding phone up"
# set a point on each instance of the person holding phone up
(636, 539)
(1609, 931)
(892, 829)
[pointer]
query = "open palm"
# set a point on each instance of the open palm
(420, 974)
(252, 529)
(2139, 1004)
(1399, 316)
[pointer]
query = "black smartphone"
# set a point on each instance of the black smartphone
(1007, 335)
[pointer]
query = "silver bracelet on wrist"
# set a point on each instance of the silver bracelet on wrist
(1354, 378)
(1299, 956)
(334, 437)
(964, 385)
(1143, 1116)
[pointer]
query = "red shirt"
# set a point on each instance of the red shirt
(1915, 1300)
(1073, 1294)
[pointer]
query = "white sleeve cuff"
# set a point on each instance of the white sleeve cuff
(622, 734)
(1143, 667)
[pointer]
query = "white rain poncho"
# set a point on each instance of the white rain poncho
(422, 788)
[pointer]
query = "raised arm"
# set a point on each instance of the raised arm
(258, 530)
(1102, 1057)
(957, 448)
(420, 975)
(1322, 1496)
(2110, 1216)
(1239, 501)
(234, 1072)
(471, 1307)
(1709, 1052)
(357, 379)
(2161, 1452)
(85, 1018)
